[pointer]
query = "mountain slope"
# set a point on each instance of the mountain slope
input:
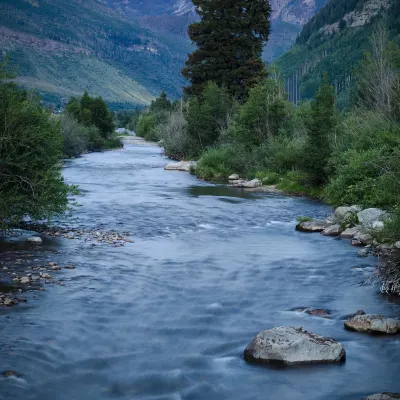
(125, 50)
(54, 42)
(334, 41)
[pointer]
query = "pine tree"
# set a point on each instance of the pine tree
(321, 126)
(230, 39)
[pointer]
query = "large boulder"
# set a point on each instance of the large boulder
(383, 396)
(367, 217)
(346, 214)
(316, 225)
(181, 166)
(373, 323)
(333, 230)
(289, 345)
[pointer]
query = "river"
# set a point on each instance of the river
(168, 316)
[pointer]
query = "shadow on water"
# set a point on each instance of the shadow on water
(220, 191)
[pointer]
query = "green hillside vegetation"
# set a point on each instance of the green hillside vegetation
(65, 48)
(319, 50)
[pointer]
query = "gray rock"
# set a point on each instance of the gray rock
(35, 239)
(344, 214)
(364, 238)
(378, 225)
(333, 230)
(397, 245)
(373, 323)
(315, 225)
(234, 177)
(248, 184)
(25, 279)
(349, 233)
(181, 166)
(289, 345)
(367, 217)
(383, 396)
(363, 253)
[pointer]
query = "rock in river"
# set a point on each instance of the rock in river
(315, 225)
(373, 323)
(383, 396)
(349, 233)
(289, 345)
(181, 166)
(35, 239)
(333, 230)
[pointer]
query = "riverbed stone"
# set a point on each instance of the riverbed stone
(397, 245)
(25, 280)
(248, 184)
(333, 230)
(316, 225)
(185, 166)
(368, 216)
(349, 233)
(363, 238)
(35, 239)
(290, 345)
(373, 323)
(234, 177)
(383, 396)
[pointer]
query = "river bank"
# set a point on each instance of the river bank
(170, 315)
(362, 226)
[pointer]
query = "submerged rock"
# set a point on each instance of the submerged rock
(333, 230)
(289, 345)
(181, 166)
(373, 323)
(35, 239)
(383, 396)
(315, 225)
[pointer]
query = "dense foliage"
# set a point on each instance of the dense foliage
(230, 37)
(93, 114)
(30, 152)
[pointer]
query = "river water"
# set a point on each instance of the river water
(168, 317)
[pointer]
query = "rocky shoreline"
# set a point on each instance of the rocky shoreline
(293, 345)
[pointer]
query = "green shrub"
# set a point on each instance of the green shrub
(175, 136)
(268, 177)
(220, 162)
(298, 183)
(303, 219)
(265, 114)
(206, 117)
(75, 135)
(146, 127)
(30, 150)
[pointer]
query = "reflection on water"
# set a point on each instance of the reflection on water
(168, 317)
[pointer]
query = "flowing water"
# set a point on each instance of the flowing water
(168, 317)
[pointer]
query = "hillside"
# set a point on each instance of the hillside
(124, 50)
(65, 48)
(334, 41)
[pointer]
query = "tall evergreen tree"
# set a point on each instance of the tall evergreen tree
(321, 126)
(230, 38)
